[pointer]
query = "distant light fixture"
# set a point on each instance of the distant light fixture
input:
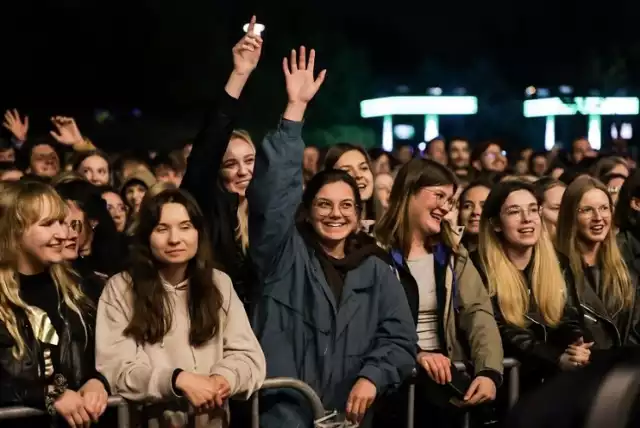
(614, 132)
(543, 92)
(434, 91)
(565, 89)
(257, 29)
(530, 91)
(404, 132)
(460, 91)
(422, 146)
(626, 131)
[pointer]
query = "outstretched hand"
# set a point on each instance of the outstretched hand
(246, 53)
(14, 123)
(298, 74)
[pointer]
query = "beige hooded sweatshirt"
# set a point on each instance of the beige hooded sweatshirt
(142, 372)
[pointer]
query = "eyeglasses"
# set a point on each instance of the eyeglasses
(590, 212)
(441, 199)
(324, 208)
(519, 212)
(75, 225)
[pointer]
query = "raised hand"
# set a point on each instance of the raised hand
(68, 132)
(246, 53)
(301, 84)
(16, 125)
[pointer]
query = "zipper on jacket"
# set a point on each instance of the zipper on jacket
(544, 327)
(598, 316)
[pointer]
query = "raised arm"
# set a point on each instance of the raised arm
(276, 188)
(213, 138)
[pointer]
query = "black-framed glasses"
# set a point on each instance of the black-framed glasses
(75, 225)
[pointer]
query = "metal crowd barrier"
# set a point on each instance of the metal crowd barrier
(27, 412)
(279, 382)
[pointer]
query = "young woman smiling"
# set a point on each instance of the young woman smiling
(331, 313)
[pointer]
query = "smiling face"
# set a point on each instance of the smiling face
(334, 214)
(428, 207)
(594, 216)
(520, 222)
(174, 240)
(95, 169)
(355, 164)
(471, 209)
(551, 208)
(459, 154)
(237, 166)
(41, 243)
(76, 232)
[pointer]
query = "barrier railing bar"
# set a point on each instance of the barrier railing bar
(285, 382)
(28, 412)
(255, 410)
(411, 400)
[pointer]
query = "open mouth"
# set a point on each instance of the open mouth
(334, 224)
(597, 229)
(527, 231)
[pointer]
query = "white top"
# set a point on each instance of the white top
(422, 270)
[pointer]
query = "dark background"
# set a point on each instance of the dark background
(170, 58)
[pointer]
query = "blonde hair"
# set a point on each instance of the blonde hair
(242, 230)
(505, 281)
(394, 230)
(22, 205)
(617, 289)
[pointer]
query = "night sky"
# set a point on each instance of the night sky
(78, 55)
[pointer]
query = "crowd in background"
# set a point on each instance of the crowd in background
(198, 273)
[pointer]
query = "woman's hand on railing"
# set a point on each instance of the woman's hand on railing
(437, 366)
(199, 390)
(481, 390)
(360, 399)
(95, 398)
(223, 389)
(70, 406)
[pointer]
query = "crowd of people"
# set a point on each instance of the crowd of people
(200, 272)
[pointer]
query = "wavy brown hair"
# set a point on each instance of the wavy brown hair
(152, 313)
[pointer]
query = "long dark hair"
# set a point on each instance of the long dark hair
(626, 218)
(321, 179)
(152, 314)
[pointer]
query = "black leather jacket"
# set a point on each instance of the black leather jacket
(22, 382)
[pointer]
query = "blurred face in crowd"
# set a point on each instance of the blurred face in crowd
(117, 209)
(437, 151)
(620, 169)
(11, 175)
(334, 214)
(551, 208)
(166, 174)
(95, 169)
(382, 165)
(384, 183)
(594, 216)
(77, 232)
(493, 159)
(459, 154)
(520, 222)
(355, 164)
(42, 242)
(174, 240)
(7, 155)
(44, 161)
(310, 159)
(130, 167)
(471, 209)
(134, 194)
(428, 208)
(237, 165)
(581, 149)
(405, 153)
(614, 186)
(538, 166)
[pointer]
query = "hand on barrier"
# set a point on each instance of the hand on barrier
(95, 398)
(481, 390)
(360, 399)
(438, 366)
(199, 389)
(576, 355)
(70, 406)
(223, 389)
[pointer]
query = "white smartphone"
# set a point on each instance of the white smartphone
(257, 29)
